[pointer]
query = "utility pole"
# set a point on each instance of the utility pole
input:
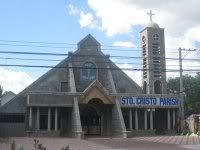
(181, 82)
(181, 89)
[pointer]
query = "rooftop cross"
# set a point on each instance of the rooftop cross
(150, 14)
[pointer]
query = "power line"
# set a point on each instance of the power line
(70, 47)
(95, 56)
(57, 60)
(58, 43)
(31, 53)
(35, 42)
(104, 68)
(26, 43)
(105, 62)
(31, 59)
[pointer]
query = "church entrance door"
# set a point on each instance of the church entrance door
(91, 121)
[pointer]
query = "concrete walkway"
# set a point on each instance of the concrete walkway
(192, 147)
(180, 140)
(138, 143)
(53, 144)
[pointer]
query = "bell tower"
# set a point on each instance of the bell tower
(153, 53)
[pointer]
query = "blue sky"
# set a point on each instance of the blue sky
(45, 21)
(110, 22)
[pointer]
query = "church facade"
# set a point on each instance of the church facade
(87, 94)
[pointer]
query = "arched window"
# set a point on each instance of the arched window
(88, 71)
(158, 87)
(145, 87)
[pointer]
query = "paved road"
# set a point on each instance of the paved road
(138, 143)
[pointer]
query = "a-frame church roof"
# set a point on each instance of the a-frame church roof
(51, 81)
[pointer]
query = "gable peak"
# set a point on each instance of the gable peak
(89, 43)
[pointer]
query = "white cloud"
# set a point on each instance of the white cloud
(134, 75)
(123, 44)
(193, 33)
(120, 16)
(72, 10)
(86, 20)
(14, 81)
(186, 41)
(117, 16)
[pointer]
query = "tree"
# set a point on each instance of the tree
(1, 90)
(191, 85)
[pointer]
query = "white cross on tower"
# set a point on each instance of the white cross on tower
(150, 14)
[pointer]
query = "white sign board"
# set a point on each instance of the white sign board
(149, 101)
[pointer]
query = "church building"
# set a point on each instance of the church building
(86, 94)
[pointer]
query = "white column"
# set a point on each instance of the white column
(38, 118)
(145, 119)
(30, 117)
(151, 119)
(136, 119)
(174, 118)
(56, 119)
(168, 119)
(49, 119)
(130, 119)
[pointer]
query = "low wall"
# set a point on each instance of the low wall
(43, 133)
(12, 129)
(142, 133)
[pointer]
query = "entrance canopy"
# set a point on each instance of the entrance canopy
(96, 92)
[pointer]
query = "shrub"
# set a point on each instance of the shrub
(38, 146)
(66, 148)
(198, 133)
(189, 133)
(184, 133)
(21, 148)
(12, 145)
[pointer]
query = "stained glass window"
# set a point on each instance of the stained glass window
(88, 71)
